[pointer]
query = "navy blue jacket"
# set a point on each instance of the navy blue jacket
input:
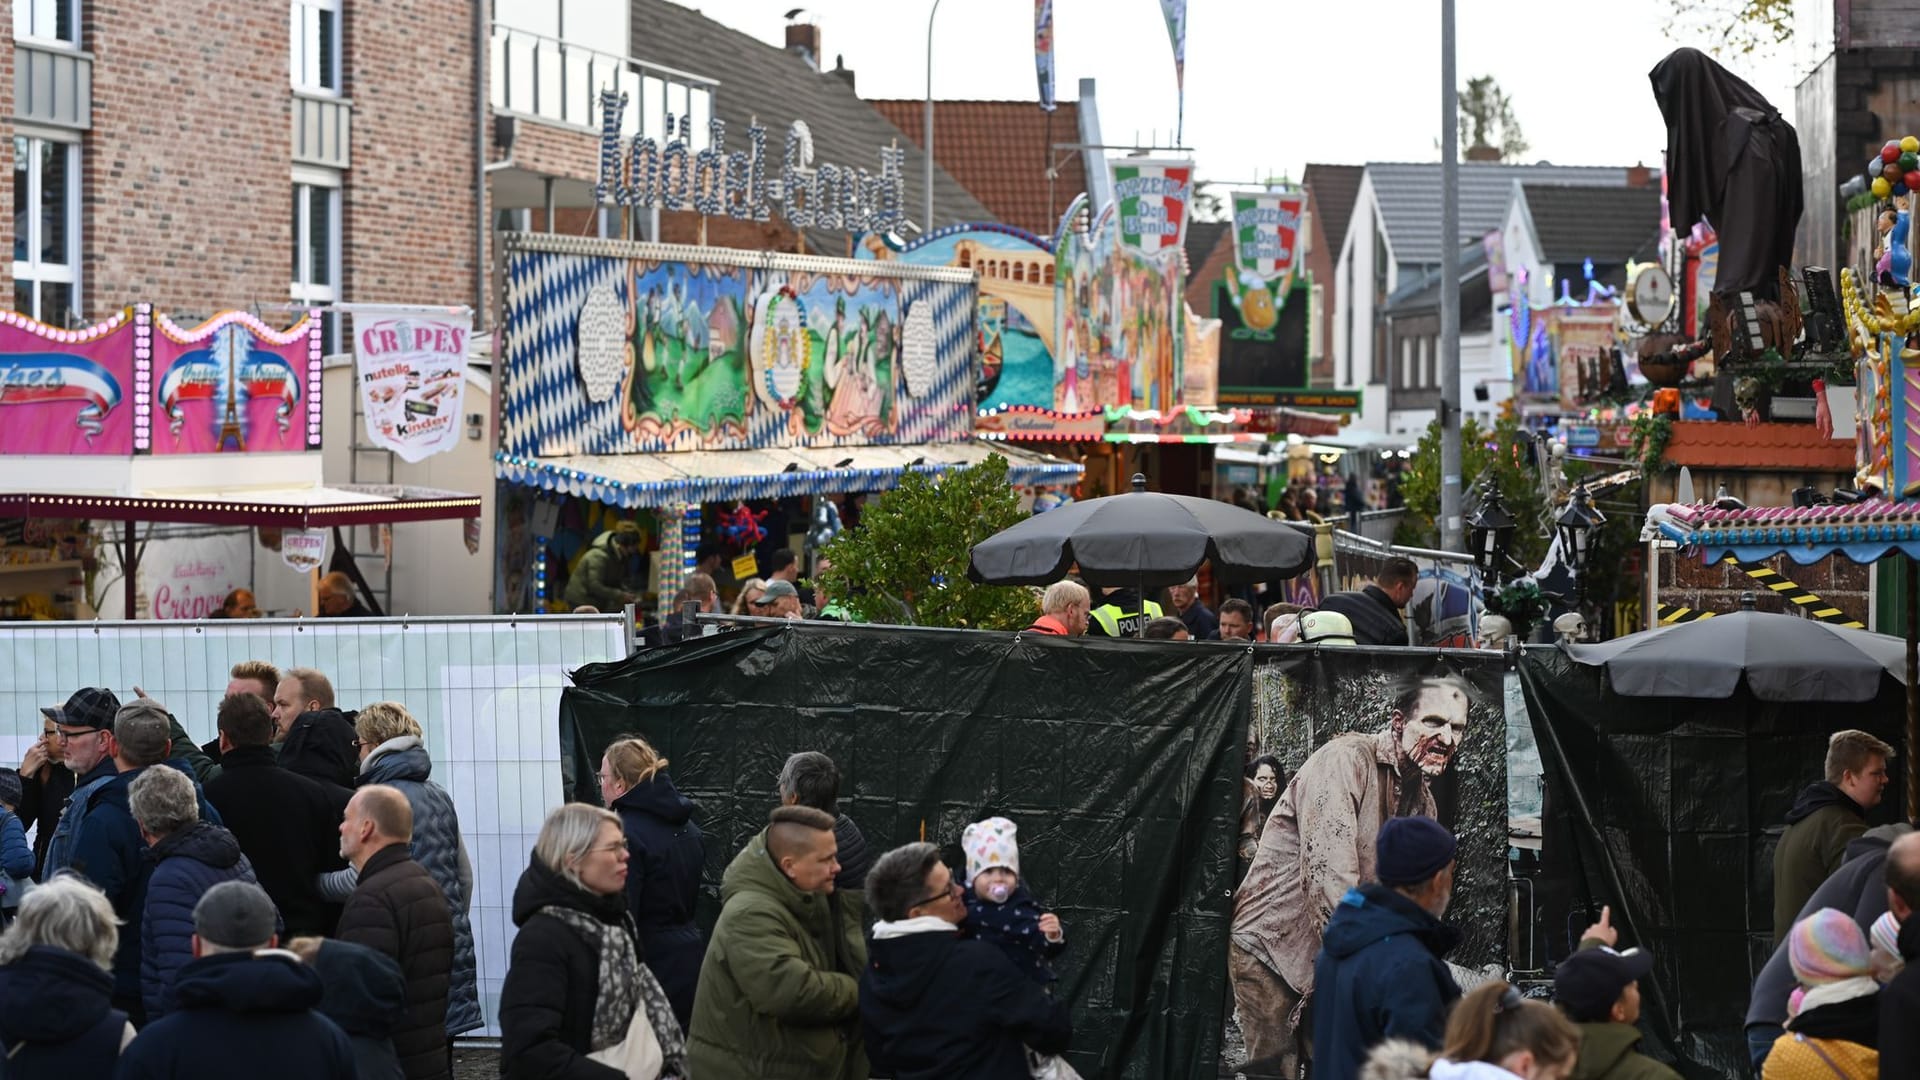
(936, 1006)
(185, 866)
(666, 853)
(1014, 928)
(1379, 975)
(366, 995)
(57, 1020)
(242, 1015)
(109, 852)
(16, 855)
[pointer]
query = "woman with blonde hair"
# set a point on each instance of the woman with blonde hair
(666, 852)
(57, 1018)
(749, 592)
(577, 1003)
(393, 751)
(1493, 1034)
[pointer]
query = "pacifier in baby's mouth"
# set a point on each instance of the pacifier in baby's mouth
(998, 891)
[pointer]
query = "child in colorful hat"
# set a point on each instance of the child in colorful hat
(1000, 910)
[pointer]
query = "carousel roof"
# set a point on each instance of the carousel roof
(1863, 532)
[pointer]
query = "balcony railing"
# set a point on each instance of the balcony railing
(558, 81)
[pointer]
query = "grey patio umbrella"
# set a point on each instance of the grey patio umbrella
(1143, 539)
(1781, 657)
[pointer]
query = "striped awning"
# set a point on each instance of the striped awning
(637, 480)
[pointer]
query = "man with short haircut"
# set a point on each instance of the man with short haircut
(397, 909)
(315, 738)
(1900, 999)
(1236, 621)
(246, 1008)
(108, 849)
(1375, 610)
(1318, 843)
(934, 1004)
(189, 857)
(338, 600)
(1825, 818)
(1382, 973)
(256, 677)
(810, 778)
(285, 823)
(1063, 610)
(604, 577)
(1199, 620)
(1599, 989)
(698, 590)
(784, 565)
(777, 994)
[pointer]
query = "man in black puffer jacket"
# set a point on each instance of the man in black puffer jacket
(315, 738)
(398, 910)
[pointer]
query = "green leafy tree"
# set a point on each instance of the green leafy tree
(1487, 119)
(1732, 29)
(1498, 456)
(907, 562)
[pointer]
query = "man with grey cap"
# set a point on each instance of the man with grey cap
(781, 600)
(107, 847)
(245, 1008)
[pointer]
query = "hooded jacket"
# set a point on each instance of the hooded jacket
(936, 1005)
(1899, 1004)
(365, 994)
(1858, 887)
(287, 825)
(1610, 1051)
(1821, 824)
(403, 763)
(777, 998)
(599, 577)
(398, 910)
(1375, 620)
(185, 865)
(57, 1021)
(1380, 975)
(553, 982)
(242, 1015)
(666, 853)
(319, 744)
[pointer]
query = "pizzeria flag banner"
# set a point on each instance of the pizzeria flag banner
(412, 371)
(1043, 50)
(1176, 15)
(1266, 238)
(1151, 199)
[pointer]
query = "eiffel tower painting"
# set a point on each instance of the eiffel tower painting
(233, 432)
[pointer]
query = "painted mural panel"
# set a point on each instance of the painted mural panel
(66, 391)
(632, 348)
(234, 385)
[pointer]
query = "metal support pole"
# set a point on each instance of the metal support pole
(130, 570)
(1325, 572)
(926, 225)
(1449, 289)
(1912, 569)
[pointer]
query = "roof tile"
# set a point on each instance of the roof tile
(1757, 447)
(1335, 189)
(1409, 197)
(1607, 225)
(1001, 152)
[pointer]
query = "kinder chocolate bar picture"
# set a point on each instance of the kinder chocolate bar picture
(422, 408)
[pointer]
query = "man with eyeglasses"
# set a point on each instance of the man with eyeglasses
(83, 728)
(45, 784)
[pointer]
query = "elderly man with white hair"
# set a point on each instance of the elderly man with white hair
(1063, 610)
(56, 983)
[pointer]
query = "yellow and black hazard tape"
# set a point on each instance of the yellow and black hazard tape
(1674, 614)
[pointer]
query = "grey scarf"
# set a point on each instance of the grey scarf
(625, 984)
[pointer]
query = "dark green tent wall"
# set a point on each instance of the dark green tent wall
(1120, 761)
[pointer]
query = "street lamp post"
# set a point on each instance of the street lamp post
(1491, 526)
(926, 224)
(1575, 525)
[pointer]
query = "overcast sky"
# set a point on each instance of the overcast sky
(1271, 86)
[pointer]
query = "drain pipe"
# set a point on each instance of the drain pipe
(481, 220)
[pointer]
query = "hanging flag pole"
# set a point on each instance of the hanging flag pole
(1043, 51)
(1175, 12)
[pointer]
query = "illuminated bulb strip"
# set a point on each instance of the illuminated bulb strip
(64, 337)
(205, 330)
(142, 378)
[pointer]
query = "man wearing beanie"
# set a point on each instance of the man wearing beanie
(1599, 989)
(1381, 973)
(243, 1008)
(1319, 842)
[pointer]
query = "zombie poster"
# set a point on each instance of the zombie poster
(234, 385)
(1339, 741)
(66, 391)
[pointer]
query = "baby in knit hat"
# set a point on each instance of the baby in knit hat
(1000, 910)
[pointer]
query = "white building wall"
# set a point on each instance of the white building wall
(1354, 310)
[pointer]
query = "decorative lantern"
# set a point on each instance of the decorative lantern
(1575, 525)
(1491, 530)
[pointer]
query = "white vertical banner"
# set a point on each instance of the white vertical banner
(412, 374)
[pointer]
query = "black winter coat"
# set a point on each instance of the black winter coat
(1380, 975)
(242, 1015)
(365, 995)
(398, 910)
(40, 804)
(553, 980)
(937, 1007)
(663, 882)
(1375, 620)
(320, 744)
(1899, 1004)
(288, 825)
(185, 865)
(57, 1021)
(855, 856)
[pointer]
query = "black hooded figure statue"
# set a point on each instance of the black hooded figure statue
(1734, 160)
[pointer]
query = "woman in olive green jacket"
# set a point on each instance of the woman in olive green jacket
(779, 991)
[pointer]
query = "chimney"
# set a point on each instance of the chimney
(1482, 152)
(841, 69)
(803, 40)
(1639, 176)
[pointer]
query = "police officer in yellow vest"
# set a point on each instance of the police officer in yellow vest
(1120, 614)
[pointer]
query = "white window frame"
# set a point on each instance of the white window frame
(298, 43)
(23, 28)
(303, 289)
(31, 268)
